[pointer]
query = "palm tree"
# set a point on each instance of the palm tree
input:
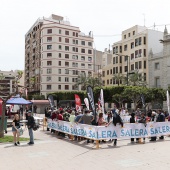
(119, 78)
(85, 81)
(136, 79)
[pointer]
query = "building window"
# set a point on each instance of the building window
(114, 70)
(49, 39)
(124, 36)
(117, 59)
(82, 50)
(59, 87)
(74, 41)
(132, 67)
(120, 68)
(66, 79)
(136, 65)
(129, 34)
(126, 68)
(125, 47)
(107, 72)
(140, 40)
(59, 63)
(60, 47)
(66, 32)
(144, 40)
(59, 55)
(67, 64)
(75, 57)
(157, 81)
(60, 39)
(67, 56)
(114, 50)
(83, 58)
(59, 71)
(89, 66)
(107, 81)
(120, 49)
(48, 87)
(136, 42)
(66, 87)
(49, 63)
(74, 34)
(103, 73)
(140, 53)
(82, 65)
(90, 44)
(89, 51)
(59, 31)
(48, 78)
(144, 64)
(144, 76)
(110, 81)
(132, 45)
(157, 66)
(59, 78)
(49, 54)
(136, 54)
(82, 42)
(110, 71)
(90, 59)
(66, 40)
(144, 52)
(132, 56)
(49, 31)
(49, 47)
(66, 48)
(133, 32)
(103, 83)
(66, 71)
(49, 71)
(140, 64)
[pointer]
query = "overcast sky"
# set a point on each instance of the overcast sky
(105, 18)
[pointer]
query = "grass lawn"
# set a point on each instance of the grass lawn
(11, 139)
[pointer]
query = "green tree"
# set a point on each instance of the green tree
(136, 79)
(119, 78)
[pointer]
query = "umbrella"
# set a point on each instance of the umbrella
(18, 101)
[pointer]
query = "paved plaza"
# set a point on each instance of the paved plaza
(50, 152)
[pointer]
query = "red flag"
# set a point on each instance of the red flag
(78, 103)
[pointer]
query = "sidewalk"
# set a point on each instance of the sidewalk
(50, 152)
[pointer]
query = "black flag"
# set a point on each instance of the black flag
(51, 100)
(91, 99)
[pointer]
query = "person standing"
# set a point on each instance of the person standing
(160, 118)
(15, 129)
(116, 120)
(30, 125)
(132, 120)
(153, 119)
(87, 119)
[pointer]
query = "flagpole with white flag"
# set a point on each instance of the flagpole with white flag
(167, 99)
(102, 100)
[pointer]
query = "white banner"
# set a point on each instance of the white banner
(130, 130)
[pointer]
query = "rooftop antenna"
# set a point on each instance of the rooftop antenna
(144, 19)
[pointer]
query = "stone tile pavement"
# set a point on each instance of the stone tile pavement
(51, 152)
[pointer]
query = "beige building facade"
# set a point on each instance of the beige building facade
(131, 54)
(56, 53)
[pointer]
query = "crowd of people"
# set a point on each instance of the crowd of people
(105, 119)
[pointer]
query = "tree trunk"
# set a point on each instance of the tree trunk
(2, 120)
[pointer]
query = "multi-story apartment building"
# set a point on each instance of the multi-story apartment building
(131, 53)
(55, 54)
(7, 83)
(159, 64)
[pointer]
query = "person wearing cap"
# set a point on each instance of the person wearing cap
(30, 125)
